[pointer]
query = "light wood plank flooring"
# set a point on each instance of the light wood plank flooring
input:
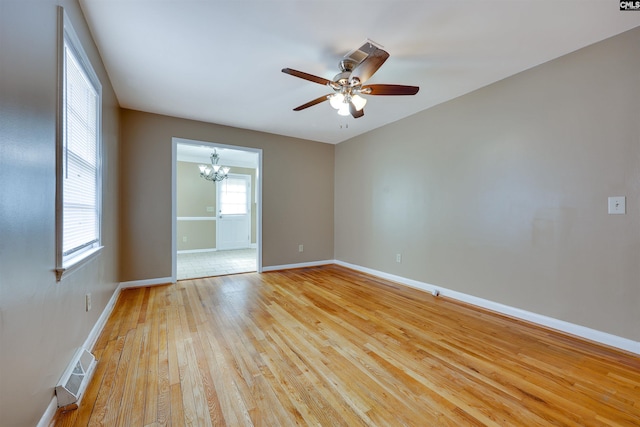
(333, 347)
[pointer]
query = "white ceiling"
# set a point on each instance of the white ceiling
(200, 152)
(220, 61)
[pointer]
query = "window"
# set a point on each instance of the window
(78, 186)
(234, 194)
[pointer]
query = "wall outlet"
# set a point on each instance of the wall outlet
(87, 302)
(617, 205)
(398, 258)
(210, 209)
(184, 239)
(300, 248)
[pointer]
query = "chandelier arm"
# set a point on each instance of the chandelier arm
(216, 173)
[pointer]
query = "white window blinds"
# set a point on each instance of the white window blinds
(79, 161)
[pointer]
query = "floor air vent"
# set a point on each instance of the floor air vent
(75, 379)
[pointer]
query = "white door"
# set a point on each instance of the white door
(233, 224)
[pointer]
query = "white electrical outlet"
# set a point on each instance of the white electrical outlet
(398, 257)
(87, 302)
(300, 248)
(184, 239)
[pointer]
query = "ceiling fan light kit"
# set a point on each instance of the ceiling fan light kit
(341, 102)
(355, 69)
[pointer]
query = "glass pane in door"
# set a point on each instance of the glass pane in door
(233, 196)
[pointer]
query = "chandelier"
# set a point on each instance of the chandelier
(215, 172)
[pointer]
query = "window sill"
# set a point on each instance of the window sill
(75, 263)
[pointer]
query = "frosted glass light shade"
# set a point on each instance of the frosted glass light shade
(358, 102)
(336, 100)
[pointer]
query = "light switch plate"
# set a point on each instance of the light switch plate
(617, 205)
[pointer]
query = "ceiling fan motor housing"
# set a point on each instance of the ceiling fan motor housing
(347, 65)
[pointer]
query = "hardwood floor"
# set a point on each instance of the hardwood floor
(333, 347)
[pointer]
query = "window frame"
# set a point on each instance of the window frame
(68, 40)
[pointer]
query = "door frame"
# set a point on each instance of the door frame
(258, 188)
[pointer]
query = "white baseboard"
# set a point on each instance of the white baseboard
(196, 251)
(102, 320)
(48, 415)
(299, 265)
(549, 322)
(146, 282)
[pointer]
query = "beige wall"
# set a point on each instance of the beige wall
(43, 322)
(502, 193)
(193, 196)
(297, 206)
(199, 234)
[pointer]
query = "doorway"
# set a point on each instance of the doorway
(216, 227)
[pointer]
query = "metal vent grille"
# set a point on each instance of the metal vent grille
(75, 379)
(363, 51)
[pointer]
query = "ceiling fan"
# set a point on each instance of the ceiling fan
(355, 69)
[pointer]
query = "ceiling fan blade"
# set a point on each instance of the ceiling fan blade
(312, 103)
(389, 90)
(306, 76)
(355, 112)
(369, 65)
